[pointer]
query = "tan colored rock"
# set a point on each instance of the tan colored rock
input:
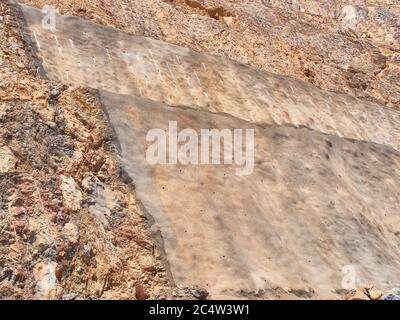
(309, 40)
(357, 294)
(372, 292)
(39, 95)
(229, 20)
(46, 282)
(350, 16)
(375, 294)
(72, 196)
(17, 211)
(71, 233)
(140, 292)
(8, 161)
(24, 97)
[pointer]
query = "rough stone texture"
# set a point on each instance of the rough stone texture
(357, 295)
(104, 58)
(374, 294)
(70, 222)
(8, 161)
(54, 149)
(393, 294)
(342, 45)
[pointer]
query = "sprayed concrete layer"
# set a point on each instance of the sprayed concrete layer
(313, 205)
(79, 52)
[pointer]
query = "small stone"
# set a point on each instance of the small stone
(229, 20)
(52, 125)
(391, 297)
(374, 294)
(71, 233)
(393, 294)
(140, 292)
(19, 63)
(54, 91)
(46, 282)
(17, 211)
(87, 251)
(87, 183)
(72, 196)
(357, 294)
(24, 97)
(200, 294)
(70, 296)
(8, 161)
(39, 95)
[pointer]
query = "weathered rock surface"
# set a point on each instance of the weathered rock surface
(342, 45)
(393, 294)
(77, 199)
(8, 161)
(104, 58)
(52, 147)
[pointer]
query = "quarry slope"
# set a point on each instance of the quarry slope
(347, 46)
(323, 194)
(55, 158)
(83, 53)
(312, 206)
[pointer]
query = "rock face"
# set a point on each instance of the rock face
(342, 45)
(83, 214)
(103, 58)
(294, 222)
(70, 193)
(53, 149)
